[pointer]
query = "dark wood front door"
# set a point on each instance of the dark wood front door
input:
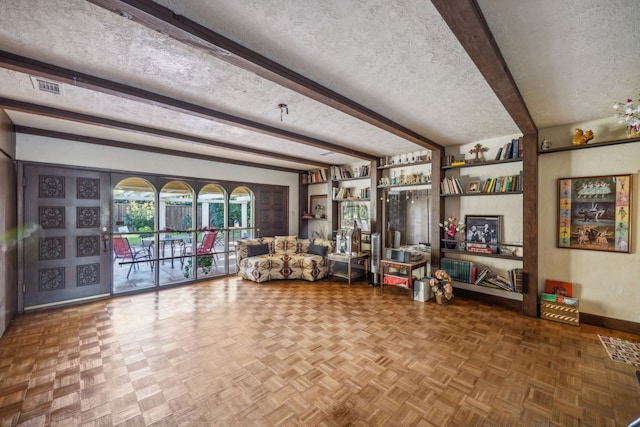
(70, 260)
(271, 211)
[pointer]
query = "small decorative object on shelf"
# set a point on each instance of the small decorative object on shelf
(441, 286)
(629, 114)
(478, 150)
(581, 137)
(545, 145)
(451, 227)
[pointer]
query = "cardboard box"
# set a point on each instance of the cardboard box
(422, 290)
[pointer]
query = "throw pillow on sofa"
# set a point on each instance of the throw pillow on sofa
(317, 250)
(255, 250)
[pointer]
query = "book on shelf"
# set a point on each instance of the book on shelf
(484, 273)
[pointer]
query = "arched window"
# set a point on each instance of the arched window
(241, 213)
(134, 219)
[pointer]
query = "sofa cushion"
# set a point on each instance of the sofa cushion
(255, 250)
(285, 244)
(303, 245)
(318, 250)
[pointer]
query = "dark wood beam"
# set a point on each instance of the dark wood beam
(31, 66)
(467, 23)
(57, 113)
(139, 147)
(159, 18)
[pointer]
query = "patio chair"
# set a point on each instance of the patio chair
(122, 250)
(206, 247)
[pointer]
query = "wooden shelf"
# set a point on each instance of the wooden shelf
(352, 179)
(486, 290)
(418, 184)
(592, 145)
(499, 193)
(486, 163)
(456, 251)
(314, 183)
(404, 165)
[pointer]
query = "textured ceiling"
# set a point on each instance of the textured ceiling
(397, 58)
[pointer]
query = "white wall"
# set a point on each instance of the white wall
(607, 284)
(63, 152)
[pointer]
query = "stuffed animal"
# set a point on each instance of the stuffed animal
(581, 138)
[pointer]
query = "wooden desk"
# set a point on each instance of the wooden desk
(361, 258)
(408, 266)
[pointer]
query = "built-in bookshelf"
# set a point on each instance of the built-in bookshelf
(497, 269)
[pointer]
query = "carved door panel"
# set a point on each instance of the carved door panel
(272, 205)
(70, 260)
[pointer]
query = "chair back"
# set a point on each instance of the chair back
(208, 240)
(121, 247)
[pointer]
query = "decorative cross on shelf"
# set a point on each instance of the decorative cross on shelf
(478, 150)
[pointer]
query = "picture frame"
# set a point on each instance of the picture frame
(473, 187)
(482, 233)
(318, 205)
(594, 213)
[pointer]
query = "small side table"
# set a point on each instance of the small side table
(351, 260)
(408, 266)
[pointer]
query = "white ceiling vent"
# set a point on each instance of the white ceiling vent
(46, 85)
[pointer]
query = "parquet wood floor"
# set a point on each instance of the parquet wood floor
(291, 353)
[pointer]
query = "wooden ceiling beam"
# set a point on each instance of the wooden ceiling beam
(467, 23)
(146, 148)
(165, 21)
(57, 113)
(31, 66)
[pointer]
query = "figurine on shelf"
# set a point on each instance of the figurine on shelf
(581, 138)
(546, 145)
(478, 150)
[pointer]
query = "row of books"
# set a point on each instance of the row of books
(339, 172)
(510, 150)
(315, 176)
(502, 184)
(459, 270)
(347, 193)
(451, 186)
(512, 282)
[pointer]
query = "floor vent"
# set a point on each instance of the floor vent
(46, 85)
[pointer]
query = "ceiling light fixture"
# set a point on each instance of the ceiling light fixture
(283, 109)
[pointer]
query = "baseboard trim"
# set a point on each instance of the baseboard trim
(586, 318)
(607, 322)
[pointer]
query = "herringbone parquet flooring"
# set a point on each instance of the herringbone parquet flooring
(292, 353)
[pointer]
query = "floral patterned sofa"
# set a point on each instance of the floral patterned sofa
(283, 257)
